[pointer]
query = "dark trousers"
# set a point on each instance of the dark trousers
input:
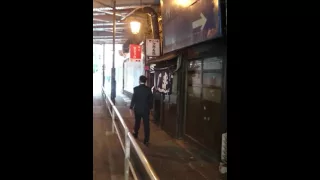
(145, 117)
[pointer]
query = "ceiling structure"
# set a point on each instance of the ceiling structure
(103, 19)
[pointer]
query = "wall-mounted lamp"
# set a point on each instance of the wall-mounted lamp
(135, 27)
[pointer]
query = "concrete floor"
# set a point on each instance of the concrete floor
(171, 159)
(108, 156)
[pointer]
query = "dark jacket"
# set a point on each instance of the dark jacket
(141, 100)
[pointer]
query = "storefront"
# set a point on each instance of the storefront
(195, 107)
(165, 80)
(204, 94)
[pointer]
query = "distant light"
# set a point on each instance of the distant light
(98, 14)
(135, 27)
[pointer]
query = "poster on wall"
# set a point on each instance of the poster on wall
(135, 53)
(153, 47)
(164, 82)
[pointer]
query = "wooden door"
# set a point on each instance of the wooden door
(203, 109)
(194, 109)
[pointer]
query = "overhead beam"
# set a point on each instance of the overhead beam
(111, 13)
(127, 3)
(106, 18)
(121, 28)
(108, 24)
(133, 11)
(107, 28)
(107, 37)
(105, 33)
(100, 2)
(110, 41)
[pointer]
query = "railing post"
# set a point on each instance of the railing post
(113, 119)
(127, 155)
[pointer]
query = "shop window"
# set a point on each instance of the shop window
(194, 78)
(211, 94)
(174, 83)
(195, 65)
(212, 79)
(194, 91)
(214, 63)
(172, 98)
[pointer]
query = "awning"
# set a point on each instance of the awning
(165, 57)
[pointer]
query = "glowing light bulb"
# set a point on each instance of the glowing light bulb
(135, 27)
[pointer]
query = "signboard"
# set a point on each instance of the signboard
(164, 82)
(152, 68)
(188, 24)
(153, 47)
(135, 52)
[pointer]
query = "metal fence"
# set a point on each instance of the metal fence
(129, 141)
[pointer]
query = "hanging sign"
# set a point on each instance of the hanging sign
(152, 68)
(135, 52)
(153, 47)
(164, 82)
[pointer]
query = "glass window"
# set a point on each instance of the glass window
(194, 91)
(211, 94)
(194, 65)
(212, 79)
(214, 63)
(174, 83)
(172, 99)
(194, 78)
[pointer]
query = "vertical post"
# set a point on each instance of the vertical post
(103, 66)
(113, 70)
(113, 118)
(223, 163)
(127, 155)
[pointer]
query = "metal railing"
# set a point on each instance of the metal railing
(129, 140)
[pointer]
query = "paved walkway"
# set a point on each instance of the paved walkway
(172, 159)
(108, 156)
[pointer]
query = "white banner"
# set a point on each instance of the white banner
(153, 47)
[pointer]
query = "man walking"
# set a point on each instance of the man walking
(141, 104)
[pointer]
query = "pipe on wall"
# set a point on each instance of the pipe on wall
(154, 23)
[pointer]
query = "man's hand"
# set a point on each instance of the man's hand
(131, 113)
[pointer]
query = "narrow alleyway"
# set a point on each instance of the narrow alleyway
(171, 159)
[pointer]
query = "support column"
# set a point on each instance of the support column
(103, 67)
(113, 70)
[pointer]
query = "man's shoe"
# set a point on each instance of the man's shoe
(146, 143)
(135, 135)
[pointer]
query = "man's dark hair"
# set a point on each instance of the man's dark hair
(143, 79)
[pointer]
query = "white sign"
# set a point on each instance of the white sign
(200, 22)
(153, 47)
(152, 67)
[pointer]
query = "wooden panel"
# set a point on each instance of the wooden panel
(212, 126)
(203, 108)
(169, 123)
(194, 114)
